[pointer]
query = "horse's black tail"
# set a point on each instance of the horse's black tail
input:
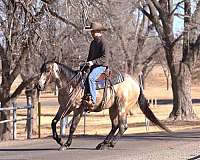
(144, 106)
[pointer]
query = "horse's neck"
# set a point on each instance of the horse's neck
(66, 77)
(59, 83)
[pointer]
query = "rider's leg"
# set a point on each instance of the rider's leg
(87, 87)
(93, 76)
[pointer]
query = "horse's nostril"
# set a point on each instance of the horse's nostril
(39, 87)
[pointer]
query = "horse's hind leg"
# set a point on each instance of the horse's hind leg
(122, 118)
(76, 118)
(122, 128)
(114, 119)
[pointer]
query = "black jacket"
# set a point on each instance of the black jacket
(98, 52)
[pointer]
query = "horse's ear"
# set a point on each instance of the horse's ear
(54, 59)
(45, 59)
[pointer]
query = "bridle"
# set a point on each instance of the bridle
(49, 76)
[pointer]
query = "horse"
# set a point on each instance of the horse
(70, 94)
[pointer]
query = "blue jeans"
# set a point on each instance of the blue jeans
(91, 81)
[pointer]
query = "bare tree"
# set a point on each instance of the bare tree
(37, 31)
(161, 15)
(18, 27)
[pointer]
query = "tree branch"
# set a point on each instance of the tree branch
(21, 87)
(177, 5)
(146, 13)
(176, 40)
(5, 66)
(48, 1)
(150, 58)
(17, 68)
(63, 19)
(157, 6)
(153, 18)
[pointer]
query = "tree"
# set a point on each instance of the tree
(37, 31)
(18, 26)
(161, 14)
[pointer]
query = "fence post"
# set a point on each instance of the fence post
(62, 126)
(39, 119)
(29, 118)
(14, 120)
(84, 129)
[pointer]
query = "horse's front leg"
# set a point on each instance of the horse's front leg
(78, 112)
(54, 123)
(53, 126)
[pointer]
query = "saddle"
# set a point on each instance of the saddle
(106, 80)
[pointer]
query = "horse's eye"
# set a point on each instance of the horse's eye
(48, 70)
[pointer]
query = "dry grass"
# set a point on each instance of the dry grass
(99, 123)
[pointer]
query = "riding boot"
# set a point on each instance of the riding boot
(88, 103)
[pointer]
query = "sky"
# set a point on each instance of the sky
(178, 24)
(178, 21)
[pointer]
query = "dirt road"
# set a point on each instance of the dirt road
(153, 146)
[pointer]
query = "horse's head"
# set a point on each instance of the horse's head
(48, 73)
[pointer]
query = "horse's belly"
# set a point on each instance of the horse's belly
(127, 91)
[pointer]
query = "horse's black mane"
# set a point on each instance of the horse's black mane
(63, 67)
(66, 68)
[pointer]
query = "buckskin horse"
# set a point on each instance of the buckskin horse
(119, 102)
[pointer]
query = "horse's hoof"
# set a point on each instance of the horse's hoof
(62, 148)
(111, 145)
(100, 147)
(103, 146)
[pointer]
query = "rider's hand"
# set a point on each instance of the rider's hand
(89, 63)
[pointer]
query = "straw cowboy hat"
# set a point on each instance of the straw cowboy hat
(95, 26)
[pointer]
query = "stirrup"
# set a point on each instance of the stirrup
(86, 97)
(88, 104)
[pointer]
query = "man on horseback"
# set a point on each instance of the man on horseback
(97, 60)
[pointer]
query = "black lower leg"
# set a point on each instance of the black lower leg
(106, 142)
(76, 118)
(55, 135)
(110, 135)
(122, 128)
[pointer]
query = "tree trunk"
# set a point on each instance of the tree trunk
(30, 92)
(5, 128)
(35, 113)
(181, 87)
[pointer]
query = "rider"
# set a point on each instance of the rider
(97, 60)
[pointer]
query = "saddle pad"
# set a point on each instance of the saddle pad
(118, 78)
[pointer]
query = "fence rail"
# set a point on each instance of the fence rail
(155, 101)
(15, 120)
